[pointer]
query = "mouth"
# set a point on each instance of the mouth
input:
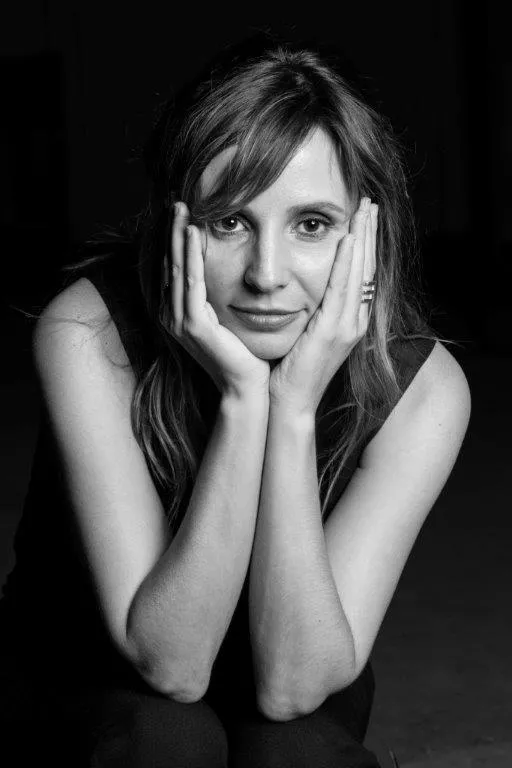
(265, 321)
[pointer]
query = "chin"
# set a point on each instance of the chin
(269, 347)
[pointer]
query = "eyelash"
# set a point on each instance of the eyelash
(307, 236)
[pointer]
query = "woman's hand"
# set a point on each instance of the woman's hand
(191, 319)
(300, 379)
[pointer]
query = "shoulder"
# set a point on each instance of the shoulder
(433, 411)
(440, 382)
(441, 386)
(74, 317)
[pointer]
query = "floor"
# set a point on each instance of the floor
(442, 657)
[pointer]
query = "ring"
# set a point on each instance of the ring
(368, 291)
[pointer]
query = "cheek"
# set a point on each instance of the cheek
(218, 282)
(315, 282)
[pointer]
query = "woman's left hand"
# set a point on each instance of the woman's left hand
(298, 382)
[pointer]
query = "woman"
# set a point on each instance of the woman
(222, 499)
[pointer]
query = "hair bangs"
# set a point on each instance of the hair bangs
(263, 151)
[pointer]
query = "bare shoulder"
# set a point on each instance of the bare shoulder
(79, 317)
(433, 411)
(442, 383)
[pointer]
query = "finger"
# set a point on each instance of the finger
(195, 289)
(178, 263)
(337, 285)
(368, 271)
(374, 211)
(353, 301)
(368, 268)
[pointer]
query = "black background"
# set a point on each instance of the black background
(80, 81)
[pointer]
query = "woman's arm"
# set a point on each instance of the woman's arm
(182, 610)
(318, 597)
(301, 639)
(166, 603)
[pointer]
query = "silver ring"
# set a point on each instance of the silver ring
(368, 291)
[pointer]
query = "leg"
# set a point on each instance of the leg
(329, 737)
(145, 730)
(315, 740)
(122, 727)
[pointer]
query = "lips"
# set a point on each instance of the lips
(264, 321)
(255, 311)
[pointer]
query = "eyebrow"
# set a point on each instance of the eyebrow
(301, 207)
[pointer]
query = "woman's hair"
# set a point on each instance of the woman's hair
(265, 98)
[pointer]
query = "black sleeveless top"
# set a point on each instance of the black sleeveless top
(50, 625)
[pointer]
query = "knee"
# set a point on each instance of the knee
(156, 732)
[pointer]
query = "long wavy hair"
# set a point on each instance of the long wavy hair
(265, 98)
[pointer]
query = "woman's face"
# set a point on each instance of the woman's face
(277, 253)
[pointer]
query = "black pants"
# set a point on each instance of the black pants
(130, 726)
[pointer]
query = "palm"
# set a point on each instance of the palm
(293, 361)
(239, 354)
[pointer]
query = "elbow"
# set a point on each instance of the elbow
(169, 673)
(276, 710)
(167, 681)
(185, 693)
(281, 708)
(174, 678)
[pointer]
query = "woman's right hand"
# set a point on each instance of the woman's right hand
(191, 319)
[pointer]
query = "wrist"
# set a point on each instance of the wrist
(249, 400)
(288, 414)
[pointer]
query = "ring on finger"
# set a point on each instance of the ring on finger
(368, 291)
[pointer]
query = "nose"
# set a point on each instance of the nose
(267, 264)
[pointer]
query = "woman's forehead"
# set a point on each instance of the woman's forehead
(314, 165)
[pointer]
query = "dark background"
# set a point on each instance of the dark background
(79, 82)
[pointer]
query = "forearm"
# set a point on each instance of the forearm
(302, 643)
(183, 609)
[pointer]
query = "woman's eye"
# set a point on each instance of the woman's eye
(316, 227)
(318, 224)
(218, 229)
